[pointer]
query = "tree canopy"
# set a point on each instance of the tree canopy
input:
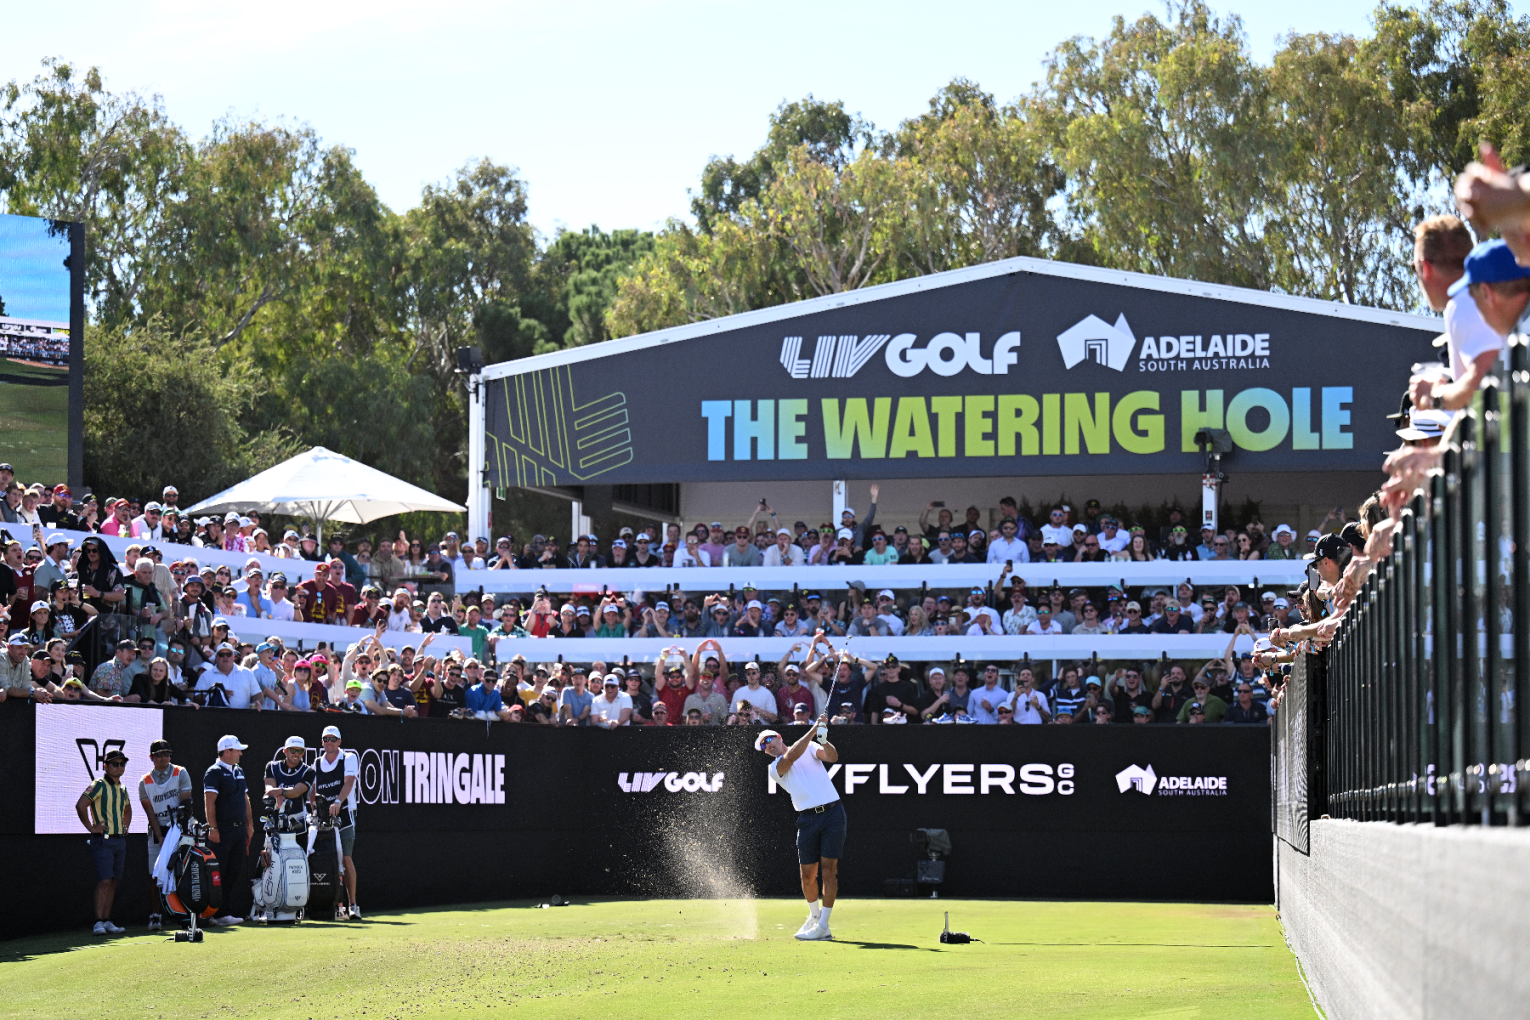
(256, 284)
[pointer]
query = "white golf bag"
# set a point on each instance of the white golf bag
(281, 891)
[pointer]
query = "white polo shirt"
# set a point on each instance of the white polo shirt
(761, 698)
(807, 780)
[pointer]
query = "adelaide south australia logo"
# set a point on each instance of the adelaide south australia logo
(1147, 782)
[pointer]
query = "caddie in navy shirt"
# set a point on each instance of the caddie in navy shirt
(226, 799)
(290, 777)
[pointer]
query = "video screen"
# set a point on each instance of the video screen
(35, 290)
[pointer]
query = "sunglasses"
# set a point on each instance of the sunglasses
(331, 740)
(225, 655)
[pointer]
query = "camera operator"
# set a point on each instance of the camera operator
(335, 773)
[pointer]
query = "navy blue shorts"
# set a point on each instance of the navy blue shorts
(110, 854)
(821, 833)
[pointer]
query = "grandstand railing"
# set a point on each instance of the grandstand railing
(1424, 718)
(1286, 573)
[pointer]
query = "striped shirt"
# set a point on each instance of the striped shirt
(108, 804)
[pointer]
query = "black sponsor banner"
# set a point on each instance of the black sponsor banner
(1130, 812)
(1022, 373)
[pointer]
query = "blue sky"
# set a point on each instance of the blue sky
(33, 280)
(610, 110)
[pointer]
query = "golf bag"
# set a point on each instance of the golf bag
(326, 864)
(195, 887)
(281, 891)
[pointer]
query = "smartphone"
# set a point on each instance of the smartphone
(762, 502)
(939, 504)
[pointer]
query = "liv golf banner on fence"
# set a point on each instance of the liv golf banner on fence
(1022, 366)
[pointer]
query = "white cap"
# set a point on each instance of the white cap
(784, 531)
(752, 665)
(151, 505)
(844, 533)
(331, 731)
(759, 741)
(296, 742)
(1281, 603)
(1314, 534)
(934, 670)
(614, 678)
(886, 593)
(643, 537)
(754, 604)
(1266, 595)
(847, 510)
(1079, 529)
(229, 742)
(39, 604)
(53, 540)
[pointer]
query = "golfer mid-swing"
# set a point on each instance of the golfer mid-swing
(820, 816)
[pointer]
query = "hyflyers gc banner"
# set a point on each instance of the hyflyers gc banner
(1034, 368)
(72, 744)
(36, 289)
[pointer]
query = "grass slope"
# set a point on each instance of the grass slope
(34, 422)
(685, 958)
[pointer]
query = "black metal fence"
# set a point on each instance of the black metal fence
(1425, 721)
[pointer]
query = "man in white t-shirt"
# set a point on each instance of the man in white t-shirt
(612, 708)
(1440, 247)
(1056, 529)
(1112, 538)
(755, 696)
(785, 553)
(820, 816)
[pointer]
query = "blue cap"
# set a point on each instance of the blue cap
(1489, 262)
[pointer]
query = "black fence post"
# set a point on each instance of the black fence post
(1519, 525)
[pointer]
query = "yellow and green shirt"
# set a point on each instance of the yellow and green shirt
(108, 805)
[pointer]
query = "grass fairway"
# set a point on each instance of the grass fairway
(34, 422)
(685, 958)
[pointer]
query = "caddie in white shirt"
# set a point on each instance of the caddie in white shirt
(820, 816)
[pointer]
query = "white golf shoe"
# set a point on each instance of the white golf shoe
(818, 933)
(807, 926)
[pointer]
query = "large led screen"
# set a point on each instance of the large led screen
(36, 293)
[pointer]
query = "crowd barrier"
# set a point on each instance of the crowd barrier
(296, 571)
(931, 649)
(1033, 811)
(1284, 573)
(307, 635)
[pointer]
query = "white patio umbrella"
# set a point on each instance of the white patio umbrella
(325, 486)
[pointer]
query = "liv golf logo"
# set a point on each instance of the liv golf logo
(1146, 782)
(674, 782)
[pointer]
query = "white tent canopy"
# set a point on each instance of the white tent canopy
(325, 486)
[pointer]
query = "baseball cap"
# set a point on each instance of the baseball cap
(159, 747)
(784, 531)
(1092, 680)
(1134, 605)
(39, 604)
(114, 756)
(1142, 710)
(759, 741)
(754, 604)
(612, 680)
(844, 533)
(1314, 534)
(886, 593)
(352, 683)
(53, 540)
(295, 742)
(1281, 603)
(1489, 262)
(331, 731)
(847, 512)
(1331, 547)
(229, 742)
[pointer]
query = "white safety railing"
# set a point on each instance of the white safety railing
(1286, 573)
(295, 570)
(1000, 647)
(307, 635)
